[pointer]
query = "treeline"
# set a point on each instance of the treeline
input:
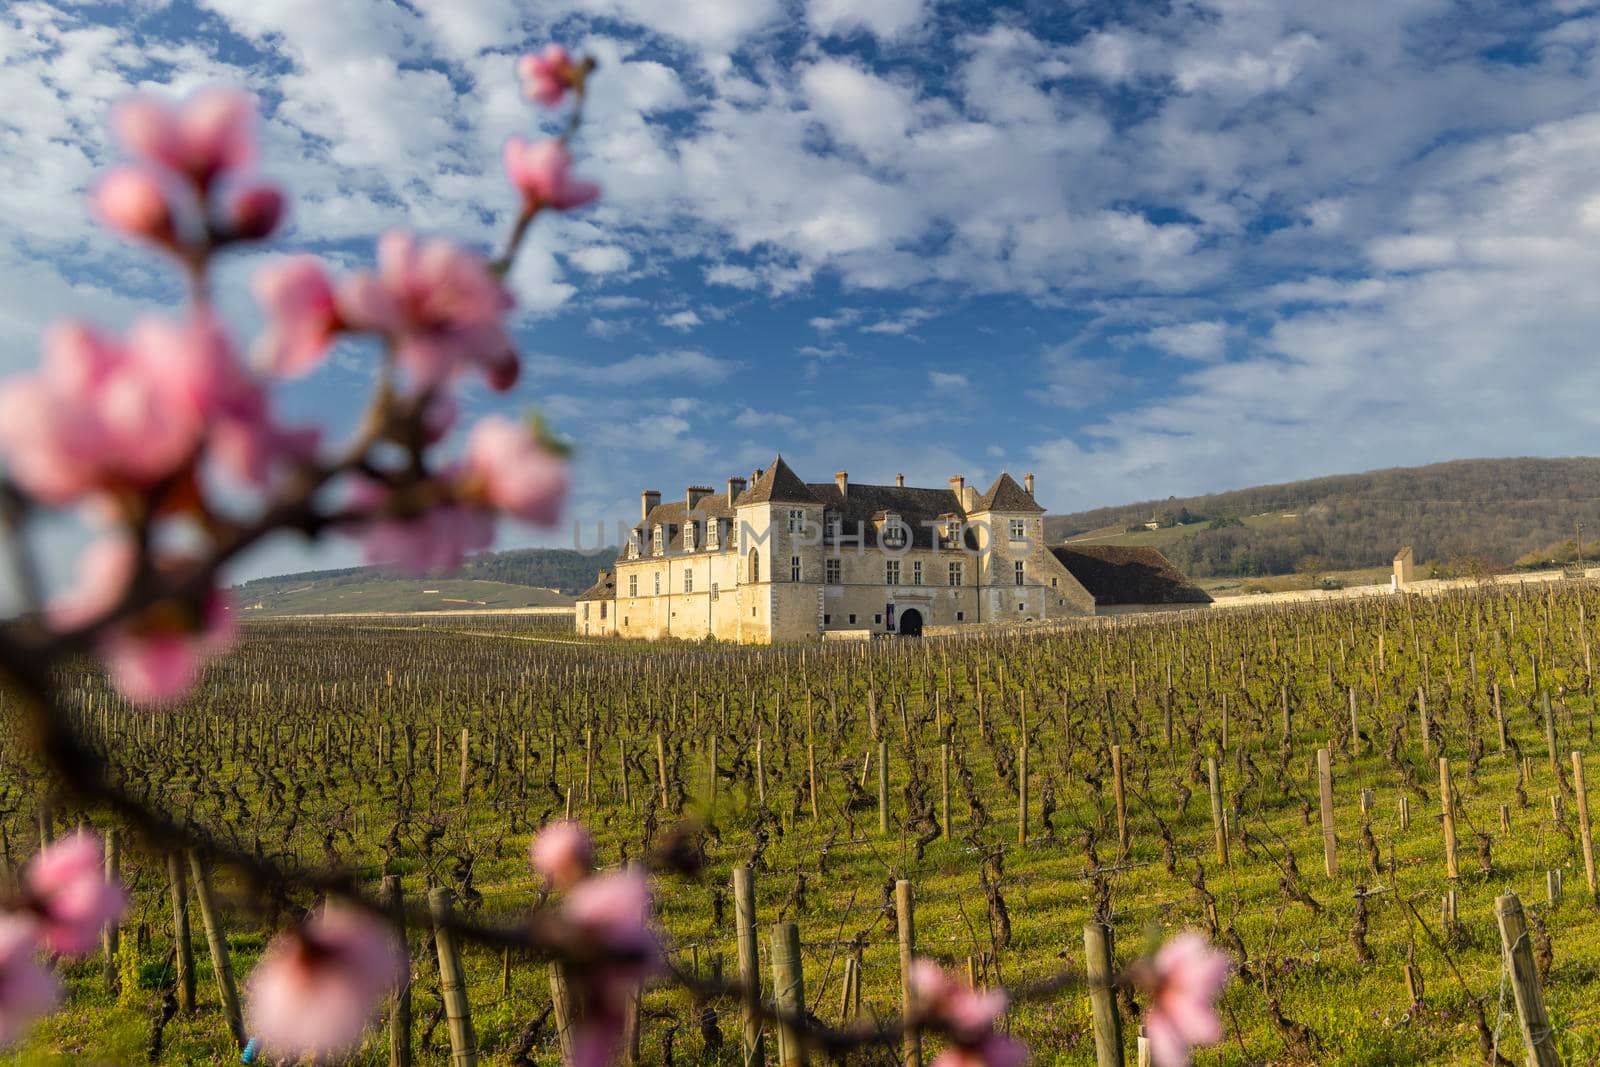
(1498, 511)
(562, 569)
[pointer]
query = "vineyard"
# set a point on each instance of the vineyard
(1337, 795)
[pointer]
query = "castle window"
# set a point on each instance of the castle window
(916, 572)
(602, 609)
(755, 565)
(891, 572)
(955, 573)
(877, 619)
(633, 585)
(658, 583)
(1018, 568)
(830, 571)
(961, 616)
(713, 590)
(1019, 530)
(797, 520)
(834, 525)
(794, 568)
(688, 581)
(656, 542)
(852, 619)
(586, 613)
(1054, 582)
(826, 619)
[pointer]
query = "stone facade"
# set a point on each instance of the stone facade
(776, 559)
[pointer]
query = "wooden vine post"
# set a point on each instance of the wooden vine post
(400, 1009)
(1217, 824)
(905, 916)
(1534, 1022)
(183, 950)
(1330, 856)
(1447, 806)
(1582, 798)
(1102, 999)
(744, 912)
(452, 982)
(788, 990)
(217, 944)
(110, 938)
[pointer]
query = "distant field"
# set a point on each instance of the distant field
(403, 595)
(1119, 535)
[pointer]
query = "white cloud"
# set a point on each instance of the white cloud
(946, 381)
(601, 259)
(681, 320)
(688, 363)
(883, 18)
(1204, 341)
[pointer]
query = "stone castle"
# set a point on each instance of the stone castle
(777, 559)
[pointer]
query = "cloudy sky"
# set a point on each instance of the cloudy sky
(1139, 249)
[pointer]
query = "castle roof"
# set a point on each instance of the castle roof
(778, 484)
(1006, 495)
(604, 588)
(1117, 574)
(860, 505)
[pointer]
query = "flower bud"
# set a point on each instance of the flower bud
(133, 202)
(255, 213)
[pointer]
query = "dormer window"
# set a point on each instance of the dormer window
(688, 536)
(657, 541)
(893, 531)
(633, 544)
(714, 533)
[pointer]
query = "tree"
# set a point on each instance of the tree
(1313, 567)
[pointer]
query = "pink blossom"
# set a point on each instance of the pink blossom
(437, 539)
(547, 77)
(156, 658)
(513, 472)
(27, 989)
(441, 306)
(132, 201)
(611, 913)
(967, 1015)
(104, 571)
(995, 1050)
(316, 989)
(303, 316)
(68, 890)
(564, 853)
(254, 212)
(1183, 981)
(100, 414)
(211, 132)
(543, 174)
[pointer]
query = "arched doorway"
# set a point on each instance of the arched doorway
(911, 623)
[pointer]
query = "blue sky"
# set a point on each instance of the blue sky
(1137, 249)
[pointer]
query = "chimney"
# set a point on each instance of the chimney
(600, 578)
(694, 494)
(755, 475)
(647, 500)
(1027, 483)
(900, 481)
(958, 486)
(842, 480)
(735, 487)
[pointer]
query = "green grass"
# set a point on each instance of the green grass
(1357, 1011)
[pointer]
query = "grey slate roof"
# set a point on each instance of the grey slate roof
(777, 485)
(604, 588)
(1006, 495)
(860, 503)
(1116, 574)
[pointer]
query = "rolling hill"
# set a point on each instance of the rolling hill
(1493, 511)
